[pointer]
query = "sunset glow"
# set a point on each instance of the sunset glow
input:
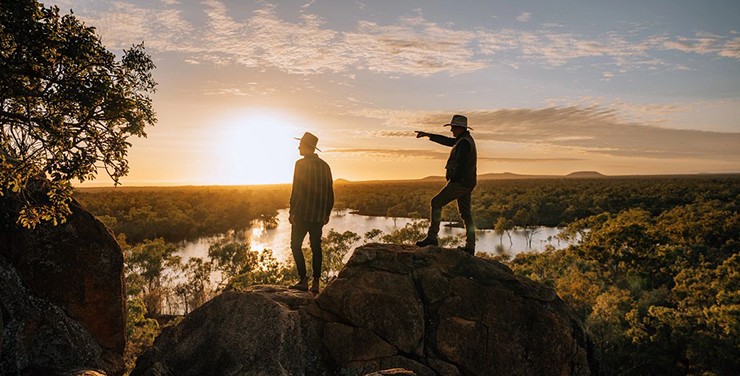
(254, 147)
(549, 88)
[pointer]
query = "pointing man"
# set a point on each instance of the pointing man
(461, 179)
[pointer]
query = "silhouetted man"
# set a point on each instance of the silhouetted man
(311, 201)
(461, 179)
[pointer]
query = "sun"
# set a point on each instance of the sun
(256, 147)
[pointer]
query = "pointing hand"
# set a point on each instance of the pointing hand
(420, 134)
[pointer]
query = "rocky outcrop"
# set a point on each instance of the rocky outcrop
(77, 266)
(263, 331)
(429, 311)
(37, 337)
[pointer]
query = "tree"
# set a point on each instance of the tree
(263, 269)
(335, 246)
(396, 211)
(196, 290)
(373, 234)
(408, 234)
(140, 331)
(67, 107)
(503, 226)
(147, 266)
(231, 259)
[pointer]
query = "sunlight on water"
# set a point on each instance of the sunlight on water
(258, 230)
(278, 239)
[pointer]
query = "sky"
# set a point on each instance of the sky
(549, 87)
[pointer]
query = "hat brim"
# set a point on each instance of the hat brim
(457, 125)
(296, 138)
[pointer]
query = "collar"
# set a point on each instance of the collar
(461, 135)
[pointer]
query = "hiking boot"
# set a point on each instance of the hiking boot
(301, 285)
(429, 240)
(315, 286)
(468, 248)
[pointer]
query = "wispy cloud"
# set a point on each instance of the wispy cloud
(556, 48)
(413, 46)
(410, 45)
(591, 130)
(162, 29)
(304, 47)
(702, 44)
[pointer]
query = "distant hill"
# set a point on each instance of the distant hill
(585, 174)
(513, 176)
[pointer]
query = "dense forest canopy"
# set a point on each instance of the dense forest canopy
(180, 213)
(659, 294)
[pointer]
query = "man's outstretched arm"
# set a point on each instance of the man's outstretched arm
(438, 138)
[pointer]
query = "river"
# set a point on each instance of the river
(278, 238)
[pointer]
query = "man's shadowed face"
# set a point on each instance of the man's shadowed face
(305, 150)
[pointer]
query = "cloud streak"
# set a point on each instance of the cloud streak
(590, 130)
(438, 155)
(392, 153)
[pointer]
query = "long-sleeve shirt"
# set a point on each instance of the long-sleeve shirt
(312, 196)
(462, 164)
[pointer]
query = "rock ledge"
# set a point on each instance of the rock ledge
(429, 310)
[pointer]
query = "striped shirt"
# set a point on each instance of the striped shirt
(312, 197)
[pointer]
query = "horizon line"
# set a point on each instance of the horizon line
(595, 175)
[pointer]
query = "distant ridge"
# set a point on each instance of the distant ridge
(511, 176)
(505, 176)
(585, 174)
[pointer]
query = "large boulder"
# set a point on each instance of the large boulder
(36, 337)
(262, 331)
(77, 266)
(430, 311)
(446, 312)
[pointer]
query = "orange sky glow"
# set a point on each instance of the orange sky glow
(619, 89)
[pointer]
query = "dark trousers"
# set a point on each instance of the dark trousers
(461, 193)
(297, 234)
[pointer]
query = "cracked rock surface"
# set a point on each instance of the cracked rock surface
(430, 311)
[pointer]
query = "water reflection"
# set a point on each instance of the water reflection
(278, 238)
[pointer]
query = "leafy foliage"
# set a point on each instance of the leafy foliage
(335, 247)
(658, 293)
(67, 106)
(147, 265)
(140, 330)
(414, 231)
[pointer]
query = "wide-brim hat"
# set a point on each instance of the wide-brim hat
(458, 121)
(309, 139)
